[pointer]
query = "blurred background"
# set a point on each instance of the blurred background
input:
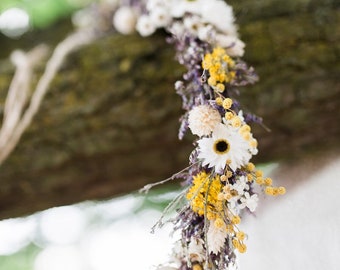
(108, 125)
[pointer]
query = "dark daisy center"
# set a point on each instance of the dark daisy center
(221, 146)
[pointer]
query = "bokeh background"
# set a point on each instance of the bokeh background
(69, 192)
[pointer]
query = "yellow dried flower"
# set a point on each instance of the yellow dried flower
(220, 87)
(259, 181)
(269, 190)
(229, 228)
(240, 235)
(236, 219)
(196, 267)
(242, 248)
(219, 223)
(281, 190)
(268, 181)
(220, 67)
(229, 174)
(229, 115)
(203, 195)
(250, 166)
(227, 103)
(236, 121)
(236, 243)
(219, 101)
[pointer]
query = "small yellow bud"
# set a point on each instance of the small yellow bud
(229, 115)
(259, 173)
(250, 177)
(234, 192)
(236, 122)
(242, 248)
(219, 101)
(250, 166)
(226, 189)
(220, 87)
(259, 181)
(236, 243)
(211, 216)
(212, 81)
(245, 128)
(220, 196)
(269, 191)
(229, 228)
(196, 267)
(224, 178)
(236, 219)
(219, 223)
(240, 235)
(275, 191)
(281, 190)
(268, 181)
(229, 174)
(253, 143)
(227, 103)
(228, 196)
(246, 136)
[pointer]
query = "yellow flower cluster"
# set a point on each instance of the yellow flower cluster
(203, 195)
(257, 175)
(235, 120)
(207, 196)
(220, 67)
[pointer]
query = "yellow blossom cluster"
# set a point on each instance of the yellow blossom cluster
(208, 196)
(257, 176)
(220, 67)
(243, 128)
(203, 195)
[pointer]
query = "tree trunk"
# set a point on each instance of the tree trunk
(109, 122)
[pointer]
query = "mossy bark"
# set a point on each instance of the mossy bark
(109, 122)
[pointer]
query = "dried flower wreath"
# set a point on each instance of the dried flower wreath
(219, 181)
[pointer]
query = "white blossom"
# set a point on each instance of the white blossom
(219, 14)
(241, 185)
(225, 146)
(203, 119)
(192, 23)
(233, 46)
(216, 238)
(249, 201)
(125, 20)
(160, 17)
(145, 26)
(196, 250)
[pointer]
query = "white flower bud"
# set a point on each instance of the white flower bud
(124, 20)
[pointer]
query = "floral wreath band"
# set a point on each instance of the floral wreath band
(220, 179)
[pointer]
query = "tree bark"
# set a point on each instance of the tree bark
(109, 122)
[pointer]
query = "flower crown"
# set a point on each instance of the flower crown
(220, 179)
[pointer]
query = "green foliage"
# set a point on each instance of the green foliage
(44, 13)
(22, 260)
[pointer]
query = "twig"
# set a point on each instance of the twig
(16, 121)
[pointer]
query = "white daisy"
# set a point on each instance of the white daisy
(203, 119)
(226, 145)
